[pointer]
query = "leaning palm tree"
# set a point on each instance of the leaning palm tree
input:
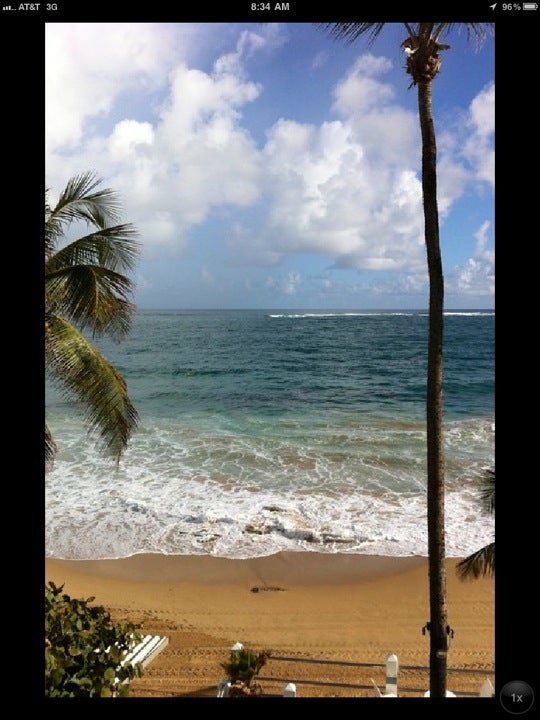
(481, 562)
(87, 292)
(423, 47)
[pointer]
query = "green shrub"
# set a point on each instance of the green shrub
(84, 649)
(244, 665)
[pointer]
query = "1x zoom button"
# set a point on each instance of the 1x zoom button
(517, 697)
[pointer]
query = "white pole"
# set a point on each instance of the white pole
(391, 674)
(290, 690)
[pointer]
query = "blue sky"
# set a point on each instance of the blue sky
(271, 166)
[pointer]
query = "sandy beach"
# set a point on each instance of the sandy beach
(302, 606)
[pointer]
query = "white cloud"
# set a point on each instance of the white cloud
(479, 149)
(482, 110)
(288, 285)
(337, 194)
(482, 238)
(347, 188)
(291, 283)
(359, 91)
(127, 136)
(452, 178)
(191, 156)
(160, 227)
(247, 44)
(477, 276)
(197, 98)
(403, 285)
(466, 153)
(89, 65)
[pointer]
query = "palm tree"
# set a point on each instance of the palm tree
(423, 47)
(85, 290)
(481, 562)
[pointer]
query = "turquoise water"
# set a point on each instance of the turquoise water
(277, 430)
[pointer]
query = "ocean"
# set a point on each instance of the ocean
(267, 430)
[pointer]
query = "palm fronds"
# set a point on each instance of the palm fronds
(487, 491)
(478, 564)
(481, 562)
(85, 376)
(50, 448)
(351, 31)
(81, 201)
(92, 297)
(85, 289)
(112, 247)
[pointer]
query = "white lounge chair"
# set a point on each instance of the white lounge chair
(487, 689)
(145, 651)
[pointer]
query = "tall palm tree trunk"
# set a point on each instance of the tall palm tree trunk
(434, 403)
(423, 48)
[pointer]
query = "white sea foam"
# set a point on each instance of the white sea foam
(241, 525)
(185, 493)
(258, 435)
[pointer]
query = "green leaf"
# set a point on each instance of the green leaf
(86, 288)
(72, 667)
(93, 382)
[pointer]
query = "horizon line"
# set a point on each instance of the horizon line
(310, 309)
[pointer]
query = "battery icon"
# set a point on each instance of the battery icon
(530, 6)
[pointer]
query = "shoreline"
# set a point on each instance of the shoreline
(291, 567)
(337, 608)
